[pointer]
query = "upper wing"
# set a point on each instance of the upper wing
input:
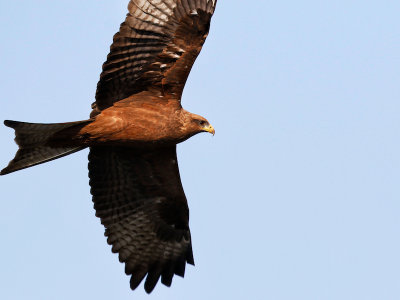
(140, 200)
(155, 48)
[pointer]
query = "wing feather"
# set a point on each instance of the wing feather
(155, 48)
(139, 198)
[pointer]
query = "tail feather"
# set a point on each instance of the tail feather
(34, 149)
(28, 134)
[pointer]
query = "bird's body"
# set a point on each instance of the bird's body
(135, 125)
(148, 121)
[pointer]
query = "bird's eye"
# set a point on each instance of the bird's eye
(202, 123)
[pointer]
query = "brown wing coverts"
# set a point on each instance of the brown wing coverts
(155, 48)
(140, 200)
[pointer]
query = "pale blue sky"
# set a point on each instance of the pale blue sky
(296, 196)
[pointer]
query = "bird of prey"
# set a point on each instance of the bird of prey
(135, 124)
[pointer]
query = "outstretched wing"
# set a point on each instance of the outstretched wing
(155, 48)
(139, 198)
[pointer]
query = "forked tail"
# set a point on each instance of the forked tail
(34, 147)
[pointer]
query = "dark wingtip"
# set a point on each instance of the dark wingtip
(151, 280)
(168, 274)
(137, 277)
(148, 289)
(189, 255)
(180, 268)
(10, 123)
(167, 280)
(5, 171)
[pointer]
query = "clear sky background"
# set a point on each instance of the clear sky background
(296, 197)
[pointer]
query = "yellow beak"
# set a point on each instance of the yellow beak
(210, 129)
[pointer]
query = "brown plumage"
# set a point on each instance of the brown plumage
(133, 129)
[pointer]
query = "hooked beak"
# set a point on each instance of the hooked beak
(210, 129)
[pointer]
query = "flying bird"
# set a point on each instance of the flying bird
(135, 124)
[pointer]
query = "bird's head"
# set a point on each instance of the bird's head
(196, 124)
(200, 124)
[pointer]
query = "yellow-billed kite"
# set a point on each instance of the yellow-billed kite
(133, 129)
